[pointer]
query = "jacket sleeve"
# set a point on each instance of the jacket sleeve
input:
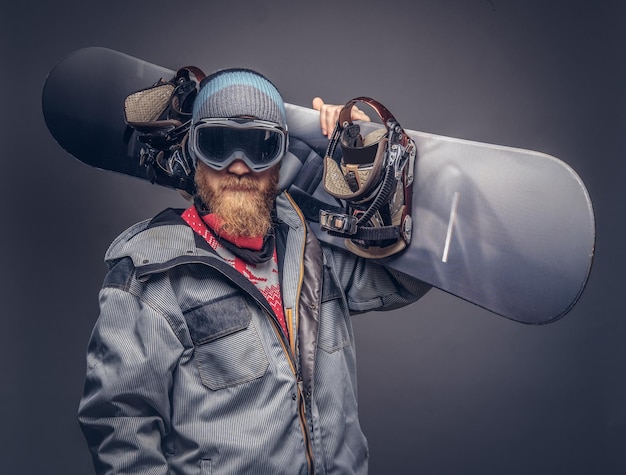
(124, 412)
(370, 286)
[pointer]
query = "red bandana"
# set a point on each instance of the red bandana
(252, 243)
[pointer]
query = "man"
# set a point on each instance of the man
(224, 343)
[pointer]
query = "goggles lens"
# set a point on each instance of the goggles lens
(261, 144)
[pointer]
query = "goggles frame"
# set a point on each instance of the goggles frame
(243, 124)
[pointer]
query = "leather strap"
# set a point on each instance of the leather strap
(345, 116)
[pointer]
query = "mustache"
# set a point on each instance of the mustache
(244, 182)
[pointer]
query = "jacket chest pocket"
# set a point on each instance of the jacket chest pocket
(228, 349)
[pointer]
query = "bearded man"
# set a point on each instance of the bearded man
(224, 342)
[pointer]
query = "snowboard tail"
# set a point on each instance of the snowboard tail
(508, 229)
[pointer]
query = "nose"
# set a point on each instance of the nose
(238, 167)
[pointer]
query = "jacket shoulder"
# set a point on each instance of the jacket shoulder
(152, 240)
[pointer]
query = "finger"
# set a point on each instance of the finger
(328, 119)
(358, 114)
(331, 118)
(324, 119)
(318, 104)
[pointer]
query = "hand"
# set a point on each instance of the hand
(329, 113)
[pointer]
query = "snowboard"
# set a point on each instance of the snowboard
(507, 229)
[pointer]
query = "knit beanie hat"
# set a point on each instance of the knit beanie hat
(235, 92)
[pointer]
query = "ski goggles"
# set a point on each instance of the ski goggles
(219, 142)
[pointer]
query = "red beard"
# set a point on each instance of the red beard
(243, 204)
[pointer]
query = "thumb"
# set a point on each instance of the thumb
(317, 103)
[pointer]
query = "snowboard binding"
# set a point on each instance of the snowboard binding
(160, 116)
(374, 182)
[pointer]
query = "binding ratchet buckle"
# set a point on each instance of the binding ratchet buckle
(338, 223)
(373, 180)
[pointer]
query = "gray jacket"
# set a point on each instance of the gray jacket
(187, 372)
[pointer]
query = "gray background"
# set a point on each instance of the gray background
(446, 388)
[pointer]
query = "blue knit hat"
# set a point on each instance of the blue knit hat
(239, 92)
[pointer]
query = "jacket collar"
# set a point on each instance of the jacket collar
(174, 238)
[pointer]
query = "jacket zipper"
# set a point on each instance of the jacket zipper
(300, 401)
